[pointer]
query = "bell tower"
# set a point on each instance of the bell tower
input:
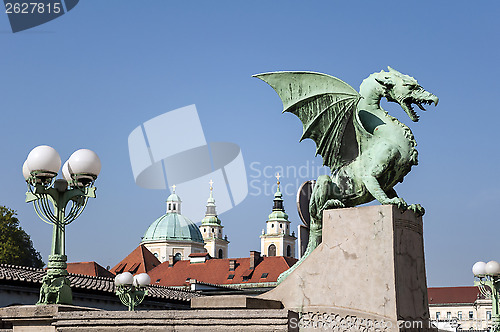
(211, 230)
(276, 239)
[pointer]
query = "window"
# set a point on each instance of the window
(264, 275)
(221, 253)
(448, 315)
(488, 315)
(158, 280)
(438, 315)
(177, 257)
(288, 251)
(459, 315)
(471, 314)
(231, 276)
(272, 225)
(170, 206)
(212, 230)
(156, 254)
(271, 250)
(281, 225)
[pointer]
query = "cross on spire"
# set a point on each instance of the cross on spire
(173, 188)
(278, 177)
(211, 185)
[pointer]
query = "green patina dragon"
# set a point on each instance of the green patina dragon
(367, 150)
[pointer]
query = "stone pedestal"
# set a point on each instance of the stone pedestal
(368, 272)
(36, 318)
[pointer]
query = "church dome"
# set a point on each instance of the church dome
(173, 198)
(173, 226)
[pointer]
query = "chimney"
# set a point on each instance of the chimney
(254, 259)
(171, 260)
(232, 264)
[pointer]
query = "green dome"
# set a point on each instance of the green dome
(210, 220)
(173, 226)
(173, 198)
(278, 216)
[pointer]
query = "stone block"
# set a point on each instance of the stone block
(233, 302)
(369, 270)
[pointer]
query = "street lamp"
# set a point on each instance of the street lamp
(488, 274)
(79, 172)
(131, 289)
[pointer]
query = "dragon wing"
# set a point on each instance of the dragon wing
(325, 105)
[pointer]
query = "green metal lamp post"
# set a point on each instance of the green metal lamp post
(50, 198)
(488, 275)
(131, 289)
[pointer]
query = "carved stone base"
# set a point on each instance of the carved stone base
(368, 274)
(55, 286)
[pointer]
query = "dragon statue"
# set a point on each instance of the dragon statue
(368, 151)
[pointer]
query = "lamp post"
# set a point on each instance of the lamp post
(488, 274)
(50, 198)
(131, 289)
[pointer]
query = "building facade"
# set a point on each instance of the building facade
(459, 308)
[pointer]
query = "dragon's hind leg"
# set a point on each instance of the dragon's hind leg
(322, 198)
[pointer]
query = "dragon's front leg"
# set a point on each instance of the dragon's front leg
(373, 186)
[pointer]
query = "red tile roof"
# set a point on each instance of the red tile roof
(445, 295)
(216, 271)
(138, 261)
(89, 269)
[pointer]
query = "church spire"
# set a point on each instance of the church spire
(278, 200)
(276, 239)
(211, 229)
(211, 213)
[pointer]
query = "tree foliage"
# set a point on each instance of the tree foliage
(16, 247)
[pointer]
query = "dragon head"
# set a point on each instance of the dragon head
(405, 91)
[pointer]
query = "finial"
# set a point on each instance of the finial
(278, 177)
(173, 188)
(211, 185)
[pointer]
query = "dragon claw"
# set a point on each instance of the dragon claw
(332, 204)
(399, 202)
(417, 209)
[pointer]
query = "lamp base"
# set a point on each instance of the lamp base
(55, 286)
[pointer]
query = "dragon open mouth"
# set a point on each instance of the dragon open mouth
(407, 105)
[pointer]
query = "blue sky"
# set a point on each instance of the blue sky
(88, 78)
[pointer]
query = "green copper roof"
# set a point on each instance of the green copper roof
(173, 226)
(173, 198)
(278, 213)
(210, 220)
(278, 216)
